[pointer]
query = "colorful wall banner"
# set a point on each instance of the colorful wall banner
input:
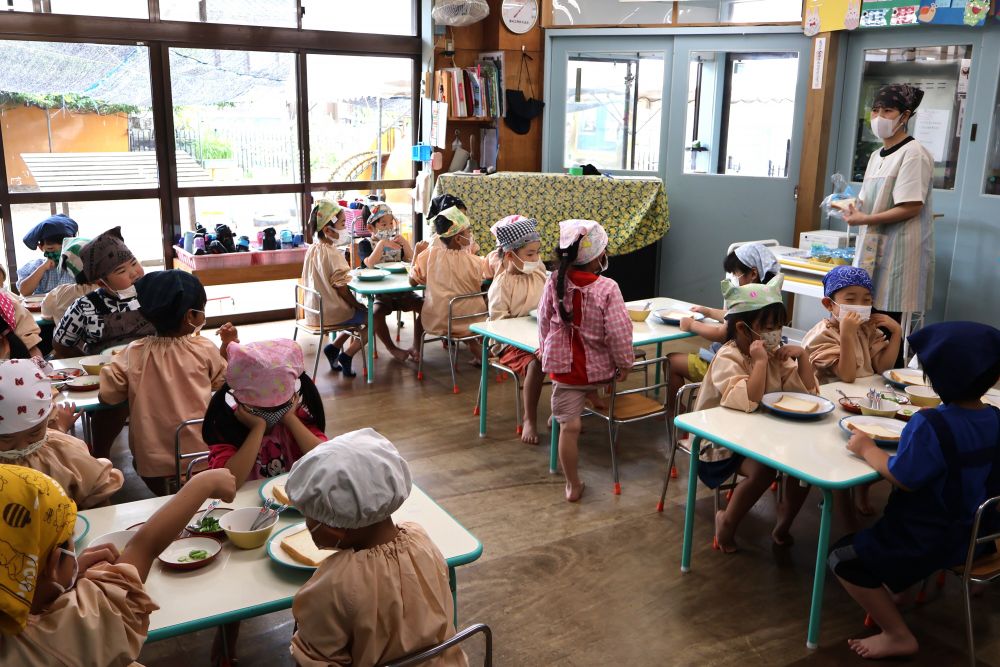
(889, 13)
(954, 12)
(831, 16)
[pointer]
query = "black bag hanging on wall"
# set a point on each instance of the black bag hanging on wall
(520, 109)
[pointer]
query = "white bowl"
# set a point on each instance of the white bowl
(119, 538)
(237, 526)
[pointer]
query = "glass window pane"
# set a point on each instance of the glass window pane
(246, 215)
(757, 134)
(400, 200)
(698, 11)
(761, 11)
(138, 218)
(129, 9)
(381, 17)
(234, 116)
(76, 116)
(613, 104)
(360, 127)
(702, 116)
(942, 72)
(993, 158)
(275, 13)
(573, 12)
(18, 5)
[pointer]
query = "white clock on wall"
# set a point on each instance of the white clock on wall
(519, 16)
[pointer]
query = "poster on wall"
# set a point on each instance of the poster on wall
(889, 13)
(954, 12)
(830, 16)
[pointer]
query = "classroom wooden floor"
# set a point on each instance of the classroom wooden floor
(597, 582)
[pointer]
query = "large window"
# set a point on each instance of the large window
(613, 111)
(740, 113)
(992, 185)
(567, 13)
(160, 138)
(942, 72)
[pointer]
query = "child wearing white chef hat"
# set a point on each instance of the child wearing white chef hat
(384, 593)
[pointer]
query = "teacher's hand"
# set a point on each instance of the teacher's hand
(855, 217)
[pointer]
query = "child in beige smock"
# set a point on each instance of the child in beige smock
(87, 480)
(167, 378)
(384, 593)
(58, 301)
(324, 270)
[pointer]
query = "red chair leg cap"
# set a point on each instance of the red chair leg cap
(475, 411)
(729, 495)
(375, 354)
(673, 472)
(618, 489)
(659, 507)
(774, 487)
(520, 429)
(715, 543)
(870, 622)
(420, 376)
(454, 389)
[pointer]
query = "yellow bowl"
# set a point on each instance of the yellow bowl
(638, 315)
(888, 410)
(237, 526)
(923, 396)
(94, 363)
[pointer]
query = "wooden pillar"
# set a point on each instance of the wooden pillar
(813, 184)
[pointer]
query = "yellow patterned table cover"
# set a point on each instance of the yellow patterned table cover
(633, 210)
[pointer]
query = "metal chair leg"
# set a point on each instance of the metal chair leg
(452, 360)
(967, 609)
(420, 359)
(666, 477)
(613, 436)
(319, 351)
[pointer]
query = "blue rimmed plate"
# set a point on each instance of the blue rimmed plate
(81, 529)
(860, 421)
(901, 378)
(673, 316)
(823, 406)
(279, 555)
(265, 490)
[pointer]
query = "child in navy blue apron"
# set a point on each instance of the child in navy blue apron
(947, 464)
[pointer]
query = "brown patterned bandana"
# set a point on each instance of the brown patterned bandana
(900, 96)
(102, 255)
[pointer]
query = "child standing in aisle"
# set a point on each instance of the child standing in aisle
(515, 292)
(750, 365)
(585, 334)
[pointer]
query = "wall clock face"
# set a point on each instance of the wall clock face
(519, 16)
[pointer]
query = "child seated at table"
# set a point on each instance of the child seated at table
(390, 246)
(383, 593)
(946, 465)
(61, 297)
(515, 292)
(272, 424)
(58, 607)
(752, 363)
(19, 333)
(746, 264)
(585, 335)
(850, 344)
(40, 276)
(449, 268)
(167, 378)
(326, 270)
(28, 439)
(109, 315)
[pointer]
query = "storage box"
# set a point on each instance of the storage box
(267, 257)
(233, 260)
(827, 239)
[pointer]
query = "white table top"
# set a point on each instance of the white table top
(522, 332)
(245, 583)
(391, 284)
(811, 450)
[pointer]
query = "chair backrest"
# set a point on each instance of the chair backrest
(452, 317)
(302, 293)
(770, 243)
(686, 395)
(192, 457)
(992, 524)
(647, 386)
(426, 654)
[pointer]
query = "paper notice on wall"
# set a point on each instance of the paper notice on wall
(961, 117)
(931, 129)
(439, 124)
(963, 77)
(819, 60)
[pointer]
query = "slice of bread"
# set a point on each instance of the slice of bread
(877, 432)
(907, 377)
(843, 204)
(302, 549)
(678, 314)
(792, 404)
(278, 491)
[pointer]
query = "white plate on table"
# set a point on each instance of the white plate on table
(371, 275)
(265, 492)
(393, 267)
(533, 313)
(279, 555)
(860, 421)
(908, 375)
(824, 407)
(177, 556)
(80, 530)
(673, 316)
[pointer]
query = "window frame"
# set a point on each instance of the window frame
(160, 36)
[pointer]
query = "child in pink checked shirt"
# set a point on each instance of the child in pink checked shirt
(585, 333)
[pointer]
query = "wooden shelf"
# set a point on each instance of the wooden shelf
(243, 274)
(470, 119)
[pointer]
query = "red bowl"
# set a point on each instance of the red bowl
(848, 407)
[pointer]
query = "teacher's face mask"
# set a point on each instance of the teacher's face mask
(883, 128)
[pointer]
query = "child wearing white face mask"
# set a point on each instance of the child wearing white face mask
(751, 364)
(167, 378)
(515, 292)
(326, 271)
(850, 344)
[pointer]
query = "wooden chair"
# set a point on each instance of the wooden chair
(193, 458)
(631, 405)
(426, 654)
(450, 339)
(979, 571)
(302, 294)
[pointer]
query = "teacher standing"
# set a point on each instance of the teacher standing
(896, 235)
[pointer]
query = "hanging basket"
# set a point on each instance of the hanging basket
(457, 13)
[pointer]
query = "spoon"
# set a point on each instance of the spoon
(211, 506)
(902, 399)
(849, 401)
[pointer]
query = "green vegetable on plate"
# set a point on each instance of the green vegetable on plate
(209, 525)
(195, 554)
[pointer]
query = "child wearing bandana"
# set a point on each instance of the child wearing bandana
(167, 378)
(947, 464)
(28, 439)
(58, 607)
(20, 335)
(61, 297)
(752, 363)
(40, 276)
(515, 292)
(850, 344)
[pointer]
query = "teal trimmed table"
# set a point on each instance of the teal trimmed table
(394, 283)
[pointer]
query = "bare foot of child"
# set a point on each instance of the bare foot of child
(574, 493)
(781, 537)
(413, 354)
(529, 433)
(883, 645)
(399, 355)
(724, 534)
(862, 501)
